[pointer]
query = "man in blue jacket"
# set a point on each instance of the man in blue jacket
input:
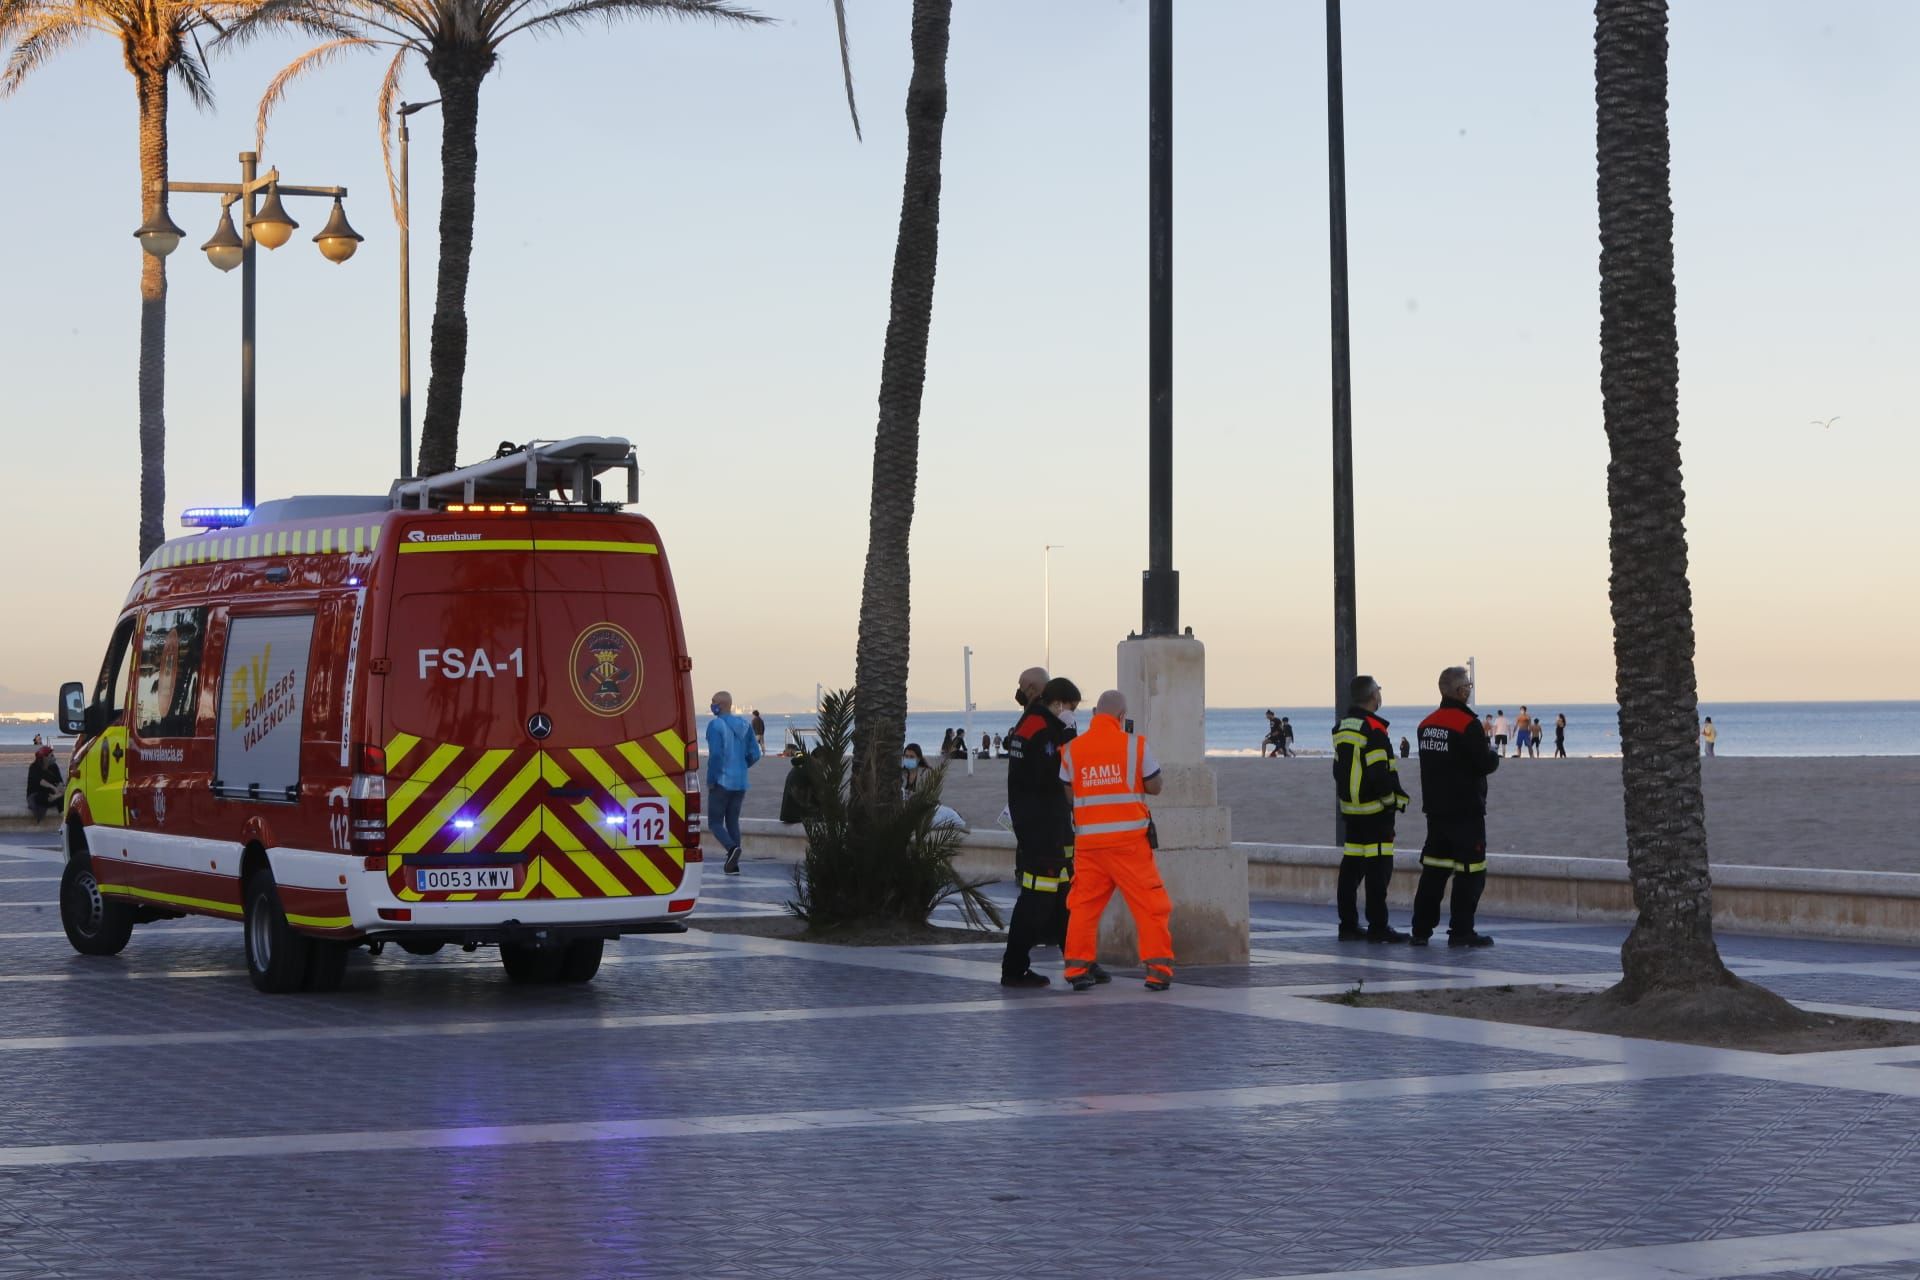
(731, 751)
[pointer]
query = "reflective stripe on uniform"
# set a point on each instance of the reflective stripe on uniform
(1110, 828)
(1381, 849)
(1365, 806)
(1043, 884)
(1448, 864)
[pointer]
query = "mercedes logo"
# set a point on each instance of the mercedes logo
(539, 724)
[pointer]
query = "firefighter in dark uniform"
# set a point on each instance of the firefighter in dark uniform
(1366, 777)
(1455, 759)
(1042, 816)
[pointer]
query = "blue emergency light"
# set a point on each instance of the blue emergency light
(214, 517)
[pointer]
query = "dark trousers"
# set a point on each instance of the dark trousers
(1039, 920)
(1467, 886)
(1455, 848)
(1375, 871)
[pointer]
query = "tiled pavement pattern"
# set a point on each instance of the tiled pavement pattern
(723, 1106)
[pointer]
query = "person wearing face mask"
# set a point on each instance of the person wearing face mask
(731, 751)
(1042, 820)
(913, 767)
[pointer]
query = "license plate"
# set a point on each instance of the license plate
(463, 879)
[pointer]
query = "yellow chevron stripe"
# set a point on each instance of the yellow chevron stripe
(402, 799)
(397, 747)
(655, 879)
(653, 773)
(603, 880)
(675, 744)
(603, 774)
(558, 886)
(457, 795)
(509, 796)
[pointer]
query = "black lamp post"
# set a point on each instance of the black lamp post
(1346, 658)
(1161, 586)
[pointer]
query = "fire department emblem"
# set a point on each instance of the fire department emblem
(607, 670)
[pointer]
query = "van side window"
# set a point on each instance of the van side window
(167, 697)
(111, 689)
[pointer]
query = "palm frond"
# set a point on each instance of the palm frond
(191, 71)
(846, 65)
(389, 90)
(319, 18)
(45, 37)
(311, 60)
(579, 12)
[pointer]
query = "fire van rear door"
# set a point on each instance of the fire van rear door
(462, 640)
(611, 680)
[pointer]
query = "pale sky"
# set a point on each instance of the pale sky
(680, 240)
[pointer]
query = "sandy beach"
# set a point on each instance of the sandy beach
(1764, 812)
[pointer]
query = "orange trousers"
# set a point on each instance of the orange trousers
(1131, 870)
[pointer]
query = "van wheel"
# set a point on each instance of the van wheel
(276, 956)
(421, 948)
(96, 925)
(581, 960)
(326, 964)
(531, 964)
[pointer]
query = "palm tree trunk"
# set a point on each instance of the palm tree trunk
(880, 663)
(1671, 946)
(152, 89)
(458, 73)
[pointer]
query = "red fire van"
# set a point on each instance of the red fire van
(459, 713)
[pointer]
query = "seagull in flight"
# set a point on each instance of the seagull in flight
(1828, 423)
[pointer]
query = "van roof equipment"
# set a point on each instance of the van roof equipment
(548, 475)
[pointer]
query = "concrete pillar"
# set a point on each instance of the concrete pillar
(1165, 682)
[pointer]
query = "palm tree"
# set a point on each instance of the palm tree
(1671, 950)
(459, 43)
(158, 39)
(880, 660)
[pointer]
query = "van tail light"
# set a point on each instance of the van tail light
(367, 801)
(693, 816)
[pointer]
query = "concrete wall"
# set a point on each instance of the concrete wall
(1814, 903)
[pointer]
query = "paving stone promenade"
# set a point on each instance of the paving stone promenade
(723, 1106)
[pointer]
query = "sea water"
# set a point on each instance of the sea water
(1593, 729)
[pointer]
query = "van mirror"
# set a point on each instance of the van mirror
(73, 707)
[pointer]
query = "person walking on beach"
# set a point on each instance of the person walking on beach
(1709, 735)
(1486, 724)
(760, 731)
(1560, 736)
(1522, 735)
(1533, 742)
(1454, 763)
(731, 751)
(1272, 739)
(1286, 737)
(1366, 779)
(1404, 748)
(1042, 816)
(1500, 731)
(43, 783)
(1110, 773)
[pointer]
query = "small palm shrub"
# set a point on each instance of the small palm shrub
(878, 861)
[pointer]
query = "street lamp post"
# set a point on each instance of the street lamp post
(1160, 604)
(268, 224)
(1346, 653)
(406, 294)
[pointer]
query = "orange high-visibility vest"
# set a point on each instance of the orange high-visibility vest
(1109, 809)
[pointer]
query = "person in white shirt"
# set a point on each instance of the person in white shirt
(1500, 732)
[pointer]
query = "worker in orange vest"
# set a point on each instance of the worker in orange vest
(1111, 772)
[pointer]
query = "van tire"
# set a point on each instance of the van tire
(277, 957)
(581, 960)
(96, 925)
(531, 964)
(326, 964)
